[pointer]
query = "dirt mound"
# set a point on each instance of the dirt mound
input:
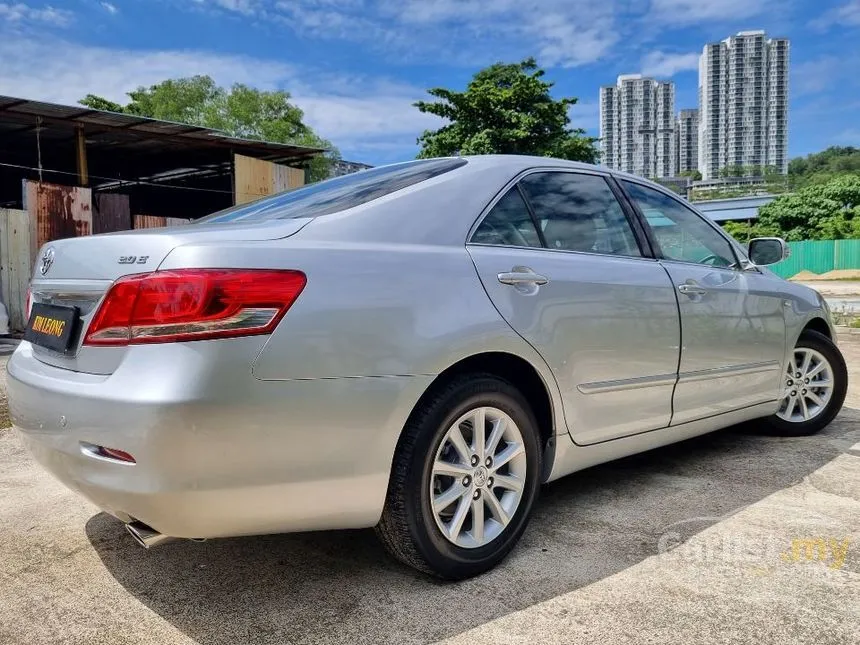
(841, 274)
(805, 275)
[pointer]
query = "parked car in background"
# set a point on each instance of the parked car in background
(415, 347)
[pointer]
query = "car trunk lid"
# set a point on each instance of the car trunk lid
(77, 272)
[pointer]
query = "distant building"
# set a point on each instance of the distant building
(733, 209)
(341, 167)
(749, 186)
(637, 126)
(687, 141)
(743, 104)
(680, 185)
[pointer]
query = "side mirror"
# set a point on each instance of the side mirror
(767, 250)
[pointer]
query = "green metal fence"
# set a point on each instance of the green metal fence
(819, 257)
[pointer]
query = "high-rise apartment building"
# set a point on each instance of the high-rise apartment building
(637, 126)
(687, 141)
(743, 104)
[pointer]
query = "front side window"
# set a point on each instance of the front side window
(681, 233)
(578, 212)
(508, 223)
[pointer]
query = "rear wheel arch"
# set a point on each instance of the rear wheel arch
(518, 372)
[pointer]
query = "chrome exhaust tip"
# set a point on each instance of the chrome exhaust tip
(146, 536)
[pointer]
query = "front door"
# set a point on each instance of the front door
(561, 263)
(732, 327)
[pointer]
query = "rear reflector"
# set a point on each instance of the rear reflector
(119, 455)
(193, 304)
(103, 452)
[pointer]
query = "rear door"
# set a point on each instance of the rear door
(732, 325)
(560, 260)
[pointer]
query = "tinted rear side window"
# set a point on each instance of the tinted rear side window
(508, 224)
(338, 194)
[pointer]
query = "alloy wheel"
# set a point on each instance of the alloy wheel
(808, 386)
(478, 477)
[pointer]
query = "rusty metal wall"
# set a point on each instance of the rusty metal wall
(57, 212)
(16, 264)
(111, 213)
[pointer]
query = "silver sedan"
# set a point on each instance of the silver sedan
(416, 347)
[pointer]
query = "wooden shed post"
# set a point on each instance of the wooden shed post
(81, 156)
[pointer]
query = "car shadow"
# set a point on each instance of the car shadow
(341, 587)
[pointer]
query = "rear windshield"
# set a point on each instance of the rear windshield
(338, 194)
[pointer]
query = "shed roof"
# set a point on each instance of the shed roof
(135, 134)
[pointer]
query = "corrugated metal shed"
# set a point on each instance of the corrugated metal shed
(134, 133)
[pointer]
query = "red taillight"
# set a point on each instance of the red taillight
(193, 304)
(27, 306)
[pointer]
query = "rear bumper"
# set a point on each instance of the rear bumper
(219, 452)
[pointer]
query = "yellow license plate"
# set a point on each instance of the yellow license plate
(51, 326)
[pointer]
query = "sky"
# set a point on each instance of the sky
(355, 67)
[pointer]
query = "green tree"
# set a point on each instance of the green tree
(820, 167)
(505, 109)
(240, 111)
(99, 103)
(740, 230)
(821, 211)
(732, 171)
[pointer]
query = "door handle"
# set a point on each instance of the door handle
(522, 277)
(692, 289)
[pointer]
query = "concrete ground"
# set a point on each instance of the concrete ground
(734, 537)
(842, 295)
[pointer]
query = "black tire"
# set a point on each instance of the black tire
(407, 528)
(820, 343)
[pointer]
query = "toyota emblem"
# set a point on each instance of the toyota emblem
(47, 261)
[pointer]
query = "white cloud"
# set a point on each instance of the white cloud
(570, 43)
(359, 115)
(332, 20)
(846, 15)
(565, 33)
(371, 122)
(18, 12)
(244, 7)
(689, 12)
(664, 65)
(110, 8)
(64, 72)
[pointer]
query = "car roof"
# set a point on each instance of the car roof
(528, 161)
(524, 162)
(440, 210)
